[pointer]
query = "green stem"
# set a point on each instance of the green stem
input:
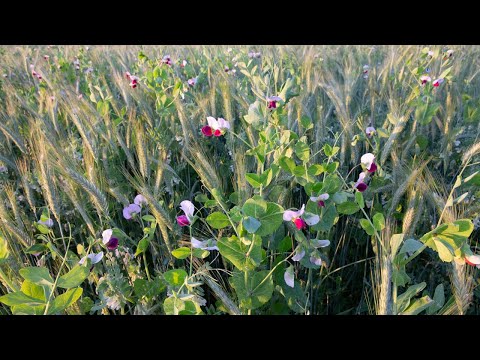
(146, 266)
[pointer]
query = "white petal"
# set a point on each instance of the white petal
(289, 277)
(106, 235)
(298, 255)
(97, 257)
(311, 219)
(223, 124)
(474, 259)
(288, 215)
(212, 122)
(187, 208)
(82, 260)
(324, 197)
(301, 211)
(196, 243)
(361, 177)
(320, 243)
(367, 159)
(315, 260)
(140, 200)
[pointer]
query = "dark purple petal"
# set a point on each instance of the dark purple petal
(112, 243)
(321, 203)
(361, 186)
(373, 168)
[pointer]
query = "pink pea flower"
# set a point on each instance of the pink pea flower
(192, 81)
(360, 185)
(273, 102)
(108, 240)
(216, 127)
(140, 200)
(296, 218)
(184, 63)
(437, 82)
(320, 199)
(167, 60)
(188, 208)
(424, 79)
(254, 55)
(370, 131)
(368, 160)
(46, 57)
(227, 69)
(133, 79)
(131, 210)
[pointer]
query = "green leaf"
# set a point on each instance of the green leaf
(65, 300)
(37, 275)
(302, 151)
(181, 253)
(438, 300)
(3, 249)
(378, 221)
(271, 220)
(328, 150)
(330, 168)
(175, 306)
(234, 250)
(149, 218)
(28, 310)
(73, 278)
(315, 170)
(418, 306)
(287, 164)
(175, 277)
(365, 224)
(36, 248)
(299, 171)
(33, 290)
(254, 180)
(340, 197)
(267, 177)
(410, 246)
(403, 300)
(255, 207)
(359, 199)
(201, 254)
(253, 289)
(217, 220)
(347, 208)
(148, 289)
(42, 228)
(142, 246)
(444, 249)
(19, 298)
(251, 224)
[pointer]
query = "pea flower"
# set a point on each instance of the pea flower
(140, 200)
(226, 68)
(184, 63)
(254, 55)
(46, 57)
(47, 223)
(368, 160)
(370, 131)
(360, 185)
(448, 54)
(424, 79)
(110, 242)
(131, 210)
(365, 71)
(320, 198)
(3, 169)
(320, 243)
(167, 60)
(473, 260)
(77, 64)
(192, 81)
(289, 277)
(300, 223)
(272, 102)
(204, 245)
(315, 258)
(430, 53)
(188, 208)
(133, 79)
(215, 127)
(437, 82)
(299, 254)
(95, 258)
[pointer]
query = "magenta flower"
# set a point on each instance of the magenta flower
(300, 223)
(131, 210)
(167, 60)
(424, 79)
(109, 241)
(215, 127)
(133, 79)
(273, 101)
(437, 82)
(320, 198)
(192, 81)
(188, 208)
(370, 131)
(360, 185)
(368, 161)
